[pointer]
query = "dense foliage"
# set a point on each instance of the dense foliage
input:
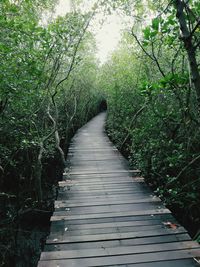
(47, 91)
(152, 83)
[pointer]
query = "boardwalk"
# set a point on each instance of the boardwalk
(106, 216)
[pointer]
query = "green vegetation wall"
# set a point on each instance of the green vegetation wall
(47, 91)
(153, 103)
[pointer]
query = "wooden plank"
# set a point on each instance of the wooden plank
(104, 189)
(70, 204)
(138, 224)
(136, 194)
(65, 233)
(89, 180)
(98, 180)
(163, 217)
(92, 182)
(103, 172)
(111, 163)
(101, 185)
(101, 181)
(174, 263)
(124, 259)
(114, 236)
(114, 191)
(125, 194)
(118, 243)
(111, 214)
(86, 149)
(91, 159)
(101, 189)
(103, 193)
(108, 208)
(107, 230)
(114, 198)
(124, 250)
(97, 157)
(98, 175)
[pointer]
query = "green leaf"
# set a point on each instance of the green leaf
(155, 24)
(147, 33)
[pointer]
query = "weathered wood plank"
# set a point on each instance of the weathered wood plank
(118, 243)
(103, 191)
(125, 259)
(104, 172)
(111, 214)
(102, 181)
(114, 236)
(65, 233)
(99, 174)
(70, 227)
(85, 197)
(125, 195)
(69, 204)
(124, 250)
(106, 187)
(174, 263)
(107, 208)
(163, 217)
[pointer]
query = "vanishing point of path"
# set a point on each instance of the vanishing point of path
(105, 215)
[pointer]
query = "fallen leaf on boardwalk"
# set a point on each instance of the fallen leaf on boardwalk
(171, 225)
(67, 209)
(55, 240)
(66, 229)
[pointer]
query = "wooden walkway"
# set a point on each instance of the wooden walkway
(105, 215)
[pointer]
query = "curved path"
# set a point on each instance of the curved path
(105, 215)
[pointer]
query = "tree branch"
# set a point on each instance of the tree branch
(156, 60)
(74, 54)
(131, 124)
(187, 166)
(195, 28)
(139, 43)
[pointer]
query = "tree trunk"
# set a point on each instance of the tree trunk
(38, 173)
(189, 46)
(56, 133)
(58, 147)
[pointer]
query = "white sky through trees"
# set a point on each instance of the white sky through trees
(107, 36)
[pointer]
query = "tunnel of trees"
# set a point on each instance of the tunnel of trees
(51, 83)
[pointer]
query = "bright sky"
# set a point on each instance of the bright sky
(107, 36)
(62, 8)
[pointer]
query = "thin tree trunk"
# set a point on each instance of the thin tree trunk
(61, 152)
(57, 137)
(38, 173)
(38, 165)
